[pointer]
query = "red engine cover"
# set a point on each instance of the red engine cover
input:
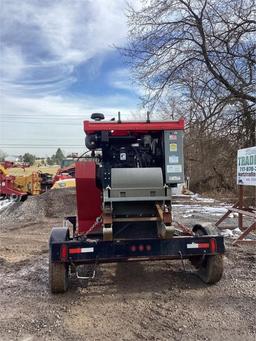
(88, 195)
(139, 127)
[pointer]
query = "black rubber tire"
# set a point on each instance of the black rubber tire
(58, 277)
(200, 230)
(58, 272)
(209, 268)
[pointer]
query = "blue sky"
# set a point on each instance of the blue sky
(57, 65)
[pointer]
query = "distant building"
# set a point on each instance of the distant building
(12, 158)
(74, 155)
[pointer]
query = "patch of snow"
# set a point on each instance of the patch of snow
(214, 210)
(233, 215)
(197, 197)
(5, 203)
(187, 215)
(231, 233)
(181, 196)
(237, 231)
(226, 233)
(199, 209)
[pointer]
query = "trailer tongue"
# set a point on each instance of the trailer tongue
(124, 204)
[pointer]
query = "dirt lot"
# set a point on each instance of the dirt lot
(139, 301)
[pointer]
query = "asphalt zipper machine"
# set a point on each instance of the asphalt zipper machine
(124, 210)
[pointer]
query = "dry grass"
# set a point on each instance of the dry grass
(29, 170)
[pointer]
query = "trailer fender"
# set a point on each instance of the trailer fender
(59, 234)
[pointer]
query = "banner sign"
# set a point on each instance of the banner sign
(246, 166)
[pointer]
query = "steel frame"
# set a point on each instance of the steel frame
(99, 251)
(239, 208)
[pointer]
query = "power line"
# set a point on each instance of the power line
(59, 123)
(49, 138)
(42, 147)
(45, 118)
(39, 145)
(47, 115)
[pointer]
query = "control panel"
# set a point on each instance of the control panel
(174, 160)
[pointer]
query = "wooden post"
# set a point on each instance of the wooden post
(241, 205)
(245, 233)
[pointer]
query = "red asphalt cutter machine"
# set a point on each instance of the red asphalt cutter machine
(124, 208)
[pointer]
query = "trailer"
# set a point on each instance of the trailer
(124, 204)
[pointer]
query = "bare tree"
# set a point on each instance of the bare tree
(2, 155)
(196, 58)
(200, 51)
(169, 40)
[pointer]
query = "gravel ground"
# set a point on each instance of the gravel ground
(51, 204)
(138, 301)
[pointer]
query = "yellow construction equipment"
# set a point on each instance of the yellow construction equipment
(65, 183)
(3, 171)
(30, 184)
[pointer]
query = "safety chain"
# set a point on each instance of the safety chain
(97, 221)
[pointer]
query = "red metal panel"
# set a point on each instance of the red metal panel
(92, 127)
(7, 186)
(88, 195)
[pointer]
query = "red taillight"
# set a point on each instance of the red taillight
(148, 247)
(63, 252)
(213, 245)
(141, 248)
(203, 245)
(75, 250)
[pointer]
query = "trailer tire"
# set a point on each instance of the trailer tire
(58, 272)
(209, 268)
(58, 277)
(212, 269)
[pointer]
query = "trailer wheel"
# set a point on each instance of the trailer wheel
(58, 277)
(58, 272)
(209, 268)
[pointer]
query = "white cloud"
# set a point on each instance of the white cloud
(42, 44)
(121, 79)
(53, 120)
(41, 38)
(12, 63)
(64, 108)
